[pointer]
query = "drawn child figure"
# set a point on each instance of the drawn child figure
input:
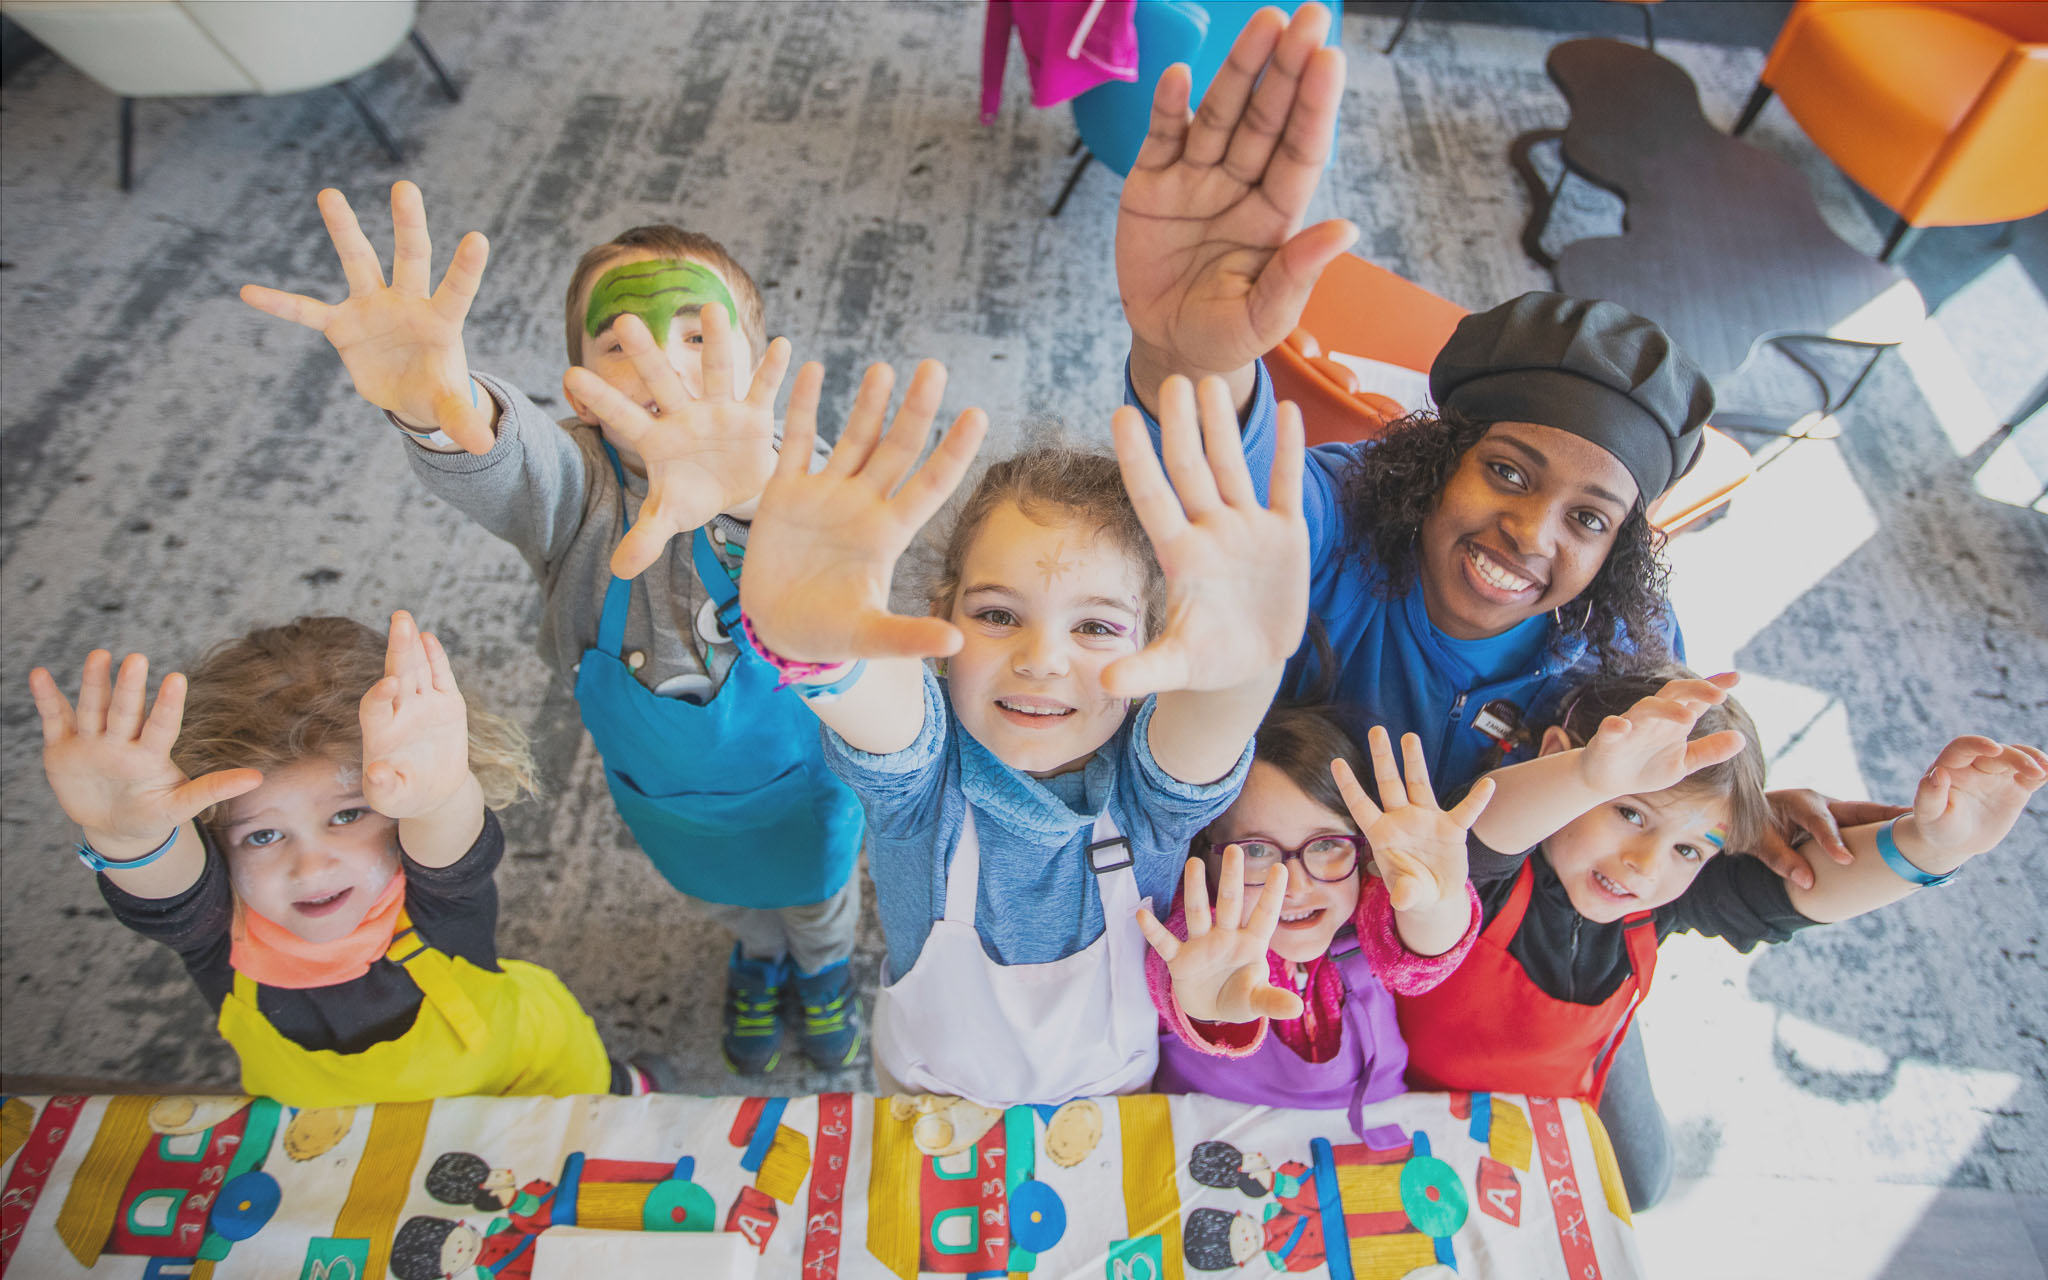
(458, 1177)
(1312, 962)
(1627, 828)
(428, 1248)
(315, 841)
(635, 525)
(1096, 711)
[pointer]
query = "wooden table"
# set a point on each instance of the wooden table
(1722, 244)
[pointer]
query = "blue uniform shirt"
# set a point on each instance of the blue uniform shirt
(1394, 667)
(1036, 902)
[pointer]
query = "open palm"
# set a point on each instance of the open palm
(1418, 847)
(1211, 261)
(703, 454)
(415, 726)
(402, 346)
(1966, 803)
(1220, 972)
(1648, 748)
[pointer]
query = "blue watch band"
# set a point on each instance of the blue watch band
(827, 692)
(1888, 848)
(98, 861)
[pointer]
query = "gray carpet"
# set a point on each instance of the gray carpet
(178, 468)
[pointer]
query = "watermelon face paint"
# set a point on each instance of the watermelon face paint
(658, 290)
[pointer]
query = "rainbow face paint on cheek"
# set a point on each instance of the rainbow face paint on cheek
(657, 290)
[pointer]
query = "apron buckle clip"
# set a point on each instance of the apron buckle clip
(1102, 855)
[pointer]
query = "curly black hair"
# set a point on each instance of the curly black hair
(1395, 484)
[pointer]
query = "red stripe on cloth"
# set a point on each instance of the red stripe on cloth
(828, 1186)
(1567, 1206)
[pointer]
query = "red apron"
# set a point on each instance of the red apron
(1489, 1028)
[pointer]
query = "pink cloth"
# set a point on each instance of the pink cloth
(1046, 30)
(1400, 970)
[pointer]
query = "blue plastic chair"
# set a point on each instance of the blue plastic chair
(1113, 118)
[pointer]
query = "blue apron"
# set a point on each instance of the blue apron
(731, 799)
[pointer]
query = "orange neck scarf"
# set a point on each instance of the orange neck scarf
(274, 956)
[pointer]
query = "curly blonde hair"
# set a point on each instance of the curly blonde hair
(281, 694)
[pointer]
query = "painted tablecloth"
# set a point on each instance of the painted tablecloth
(838, 1185)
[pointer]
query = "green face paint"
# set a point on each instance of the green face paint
(657, 290)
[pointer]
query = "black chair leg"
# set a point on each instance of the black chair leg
(1757, 98)
(1649, 27)
(1900, 241)
(127, 143)
(1075, 150)
(1073, 179)
(362, 106)
(1407, 16)
(434, 65)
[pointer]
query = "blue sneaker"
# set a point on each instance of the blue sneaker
(831, 1015)
(753, 1026)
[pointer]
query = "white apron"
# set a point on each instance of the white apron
(1002, 1035)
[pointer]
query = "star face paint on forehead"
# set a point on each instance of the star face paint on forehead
(657, 290)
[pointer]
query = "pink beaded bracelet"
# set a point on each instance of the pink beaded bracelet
(791, 672)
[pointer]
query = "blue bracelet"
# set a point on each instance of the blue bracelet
(1888, 848)
(98, 861)
(828, 692)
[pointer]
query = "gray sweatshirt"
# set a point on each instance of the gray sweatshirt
(548, 489)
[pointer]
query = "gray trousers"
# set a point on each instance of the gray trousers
(1635, 1124)
(813, 936)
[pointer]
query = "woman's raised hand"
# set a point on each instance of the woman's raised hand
(1220, 973)
(1646, 749)
(1417, 846)
(401, 345)
(703, 455)
(110, 764)
(415, 727)
(1236, 571)
(824, 545)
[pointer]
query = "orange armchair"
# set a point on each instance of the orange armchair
(1939, 110)
(1359, 309)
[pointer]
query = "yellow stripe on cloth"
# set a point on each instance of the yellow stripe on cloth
(1151, 1185)
(398, 1130)
(87, 1217)
(1391, 1257)
(1510, 1140)
(786, 1165)
(892, 1194)
(1610, 1168)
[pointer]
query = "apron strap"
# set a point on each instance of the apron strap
(1510, 918)
(1640, 938)
(963, 877)
(611, 623)
(1116, 878)
(434, 974)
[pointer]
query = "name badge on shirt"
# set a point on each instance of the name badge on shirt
(1501, 721)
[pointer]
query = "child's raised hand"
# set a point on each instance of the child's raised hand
(1236, 572)
(415, 727)
(703, 455)
(1220, 973)
(824, 546)
(1967, 802)
(1418, 847)
(401, 345)
(110, 765)
(1646, 748)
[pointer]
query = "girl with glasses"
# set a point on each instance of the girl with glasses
(1279, 994)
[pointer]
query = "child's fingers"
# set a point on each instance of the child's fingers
(131, 694)
(1417, 765)
(465, 275)
(52, 705)
(380, 702)
(767, 382)
(897, 451)
(1157, 934)
(1410, 883)
(1265, 917)
(863, 422)
(1468, 810)
(1283, 482)
(627, 420)
(93, 692)
(650, 360)
(1695, 695)
(641, 547)
(412, 250)
(1363, 811)
(1194, 890)
(2039, 758)
(466, 417)
(1180, 447)
(295, 307)
(715, 363)
(1223, 443)
(1385, 774)
(1269, 1001)
(891, 635)
(358, 260)
(1223, 106)
(1169, 126)
(160, 731)
(1701, 753)
(1159, 509)
(1930, 798)
(402, 658)
(1960, 752)
(931, 484)
(1614, 729)
(438, 666)
(1159, 667)
(202, 793)
(800, 423)
(1230, 889)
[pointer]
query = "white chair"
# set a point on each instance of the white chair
(177, 48)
